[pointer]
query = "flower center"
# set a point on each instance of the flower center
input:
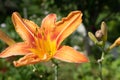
(45, 48)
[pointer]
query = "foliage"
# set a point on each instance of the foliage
(94, 12)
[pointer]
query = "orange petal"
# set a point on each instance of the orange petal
(67, 25)
(6, 38)
(116, 43)
(15, 49)
(27, 59)
(48, 23)
(22, 28)
(31, 25)
(68, 54)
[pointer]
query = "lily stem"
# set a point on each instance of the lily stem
(100, 70)
(100, 63)
(56, 72)
(55, 69)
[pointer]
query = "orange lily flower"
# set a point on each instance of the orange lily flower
(43, 43)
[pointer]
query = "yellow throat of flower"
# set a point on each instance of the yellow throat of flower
(44, 48)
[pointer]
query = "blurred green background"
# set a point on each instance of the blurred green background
(94, 12)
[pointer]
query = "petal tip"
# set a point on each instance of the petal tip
(15, 64)
(14, 16)
(68, 54)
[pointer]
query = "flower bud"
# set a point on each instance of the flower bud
(92, 37)
(100, 43)
(99, 35)
(116, 43)
(104, 31)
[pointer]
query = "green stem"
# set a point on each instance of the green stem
(56, 72)
(100, 70)
(55, 69)
(100, 63)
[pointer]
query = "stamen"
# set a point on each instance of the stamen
(44, 47)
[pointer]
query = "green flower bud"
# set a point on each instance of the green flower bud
(92, 37)
(100, 43)
(104, 31)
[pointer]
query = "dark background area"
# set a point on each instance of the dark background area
(94, 12)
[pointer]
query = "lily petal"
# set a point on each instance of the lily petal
(27, 59)
(48, 23)
(68, 54)
(15, 49)
(31, 25)
(22, 28)
(67, 25)
(6, 38)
